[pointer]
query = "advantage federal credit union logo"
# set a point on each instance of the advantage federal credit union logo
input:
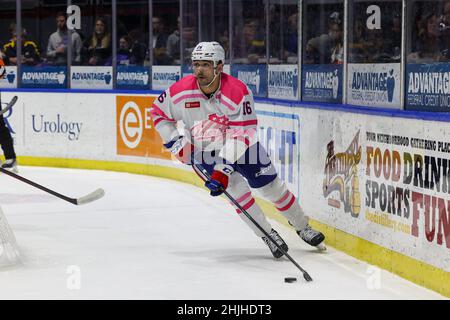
(341, 177)
(136, 135)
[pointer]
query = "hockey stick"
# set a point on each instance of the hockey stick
(208, 177)
(9, 105)
(95, 195)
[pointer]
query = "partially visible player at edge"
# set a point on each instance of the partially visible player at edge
(6, 140)
(220, 132)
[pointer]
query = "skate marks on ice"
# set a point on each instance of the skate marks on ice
(152, 238)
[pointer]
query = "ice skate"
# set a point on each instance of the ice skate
(10, 165)
(312, 237)
(273, 248)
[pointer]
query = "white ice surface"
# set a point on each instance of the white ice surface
(151, 238)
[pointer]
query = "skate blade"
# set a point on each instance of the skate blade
(13, 169)
(321, 247)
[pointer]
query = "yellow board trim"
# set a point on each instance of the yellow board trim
(413, 270)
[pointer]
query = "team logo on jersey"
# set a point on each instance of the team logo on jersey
(341, 177)
(190, 105)
(211, 130)
(223, 120)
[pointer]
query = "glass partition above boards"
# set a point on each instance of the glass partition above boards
(427, 83)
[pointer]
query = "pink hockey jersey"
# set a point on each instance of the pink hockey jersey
(226, 121)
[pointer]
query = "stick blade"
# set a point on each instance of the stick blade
(307, 277)
(93, 196)
(9, 105)
(13, 101)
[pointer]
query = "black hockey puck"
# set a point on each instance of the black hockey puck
(290, 280)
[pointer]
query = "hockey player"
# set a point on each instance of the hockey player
(220, 132)
(6, 140)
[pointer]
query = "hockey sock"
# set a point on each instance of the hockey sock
(285, 202)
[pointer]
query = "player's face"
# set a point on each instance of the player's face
(204, 71)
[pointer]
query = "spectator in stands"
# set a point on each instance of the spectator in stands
(224, 40)
(138, 47)
(250, 46)
(428, 48)
(189, 42)
(376, 45)
(291, 36)
(30, 51)
(159, 45)
(357, 43)
(57, 43)
(446, 15)
(124, 51)
(98, 47)
(327, 48)
(445, 32)
(393, 42)
(377, 48)
(173, 45)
